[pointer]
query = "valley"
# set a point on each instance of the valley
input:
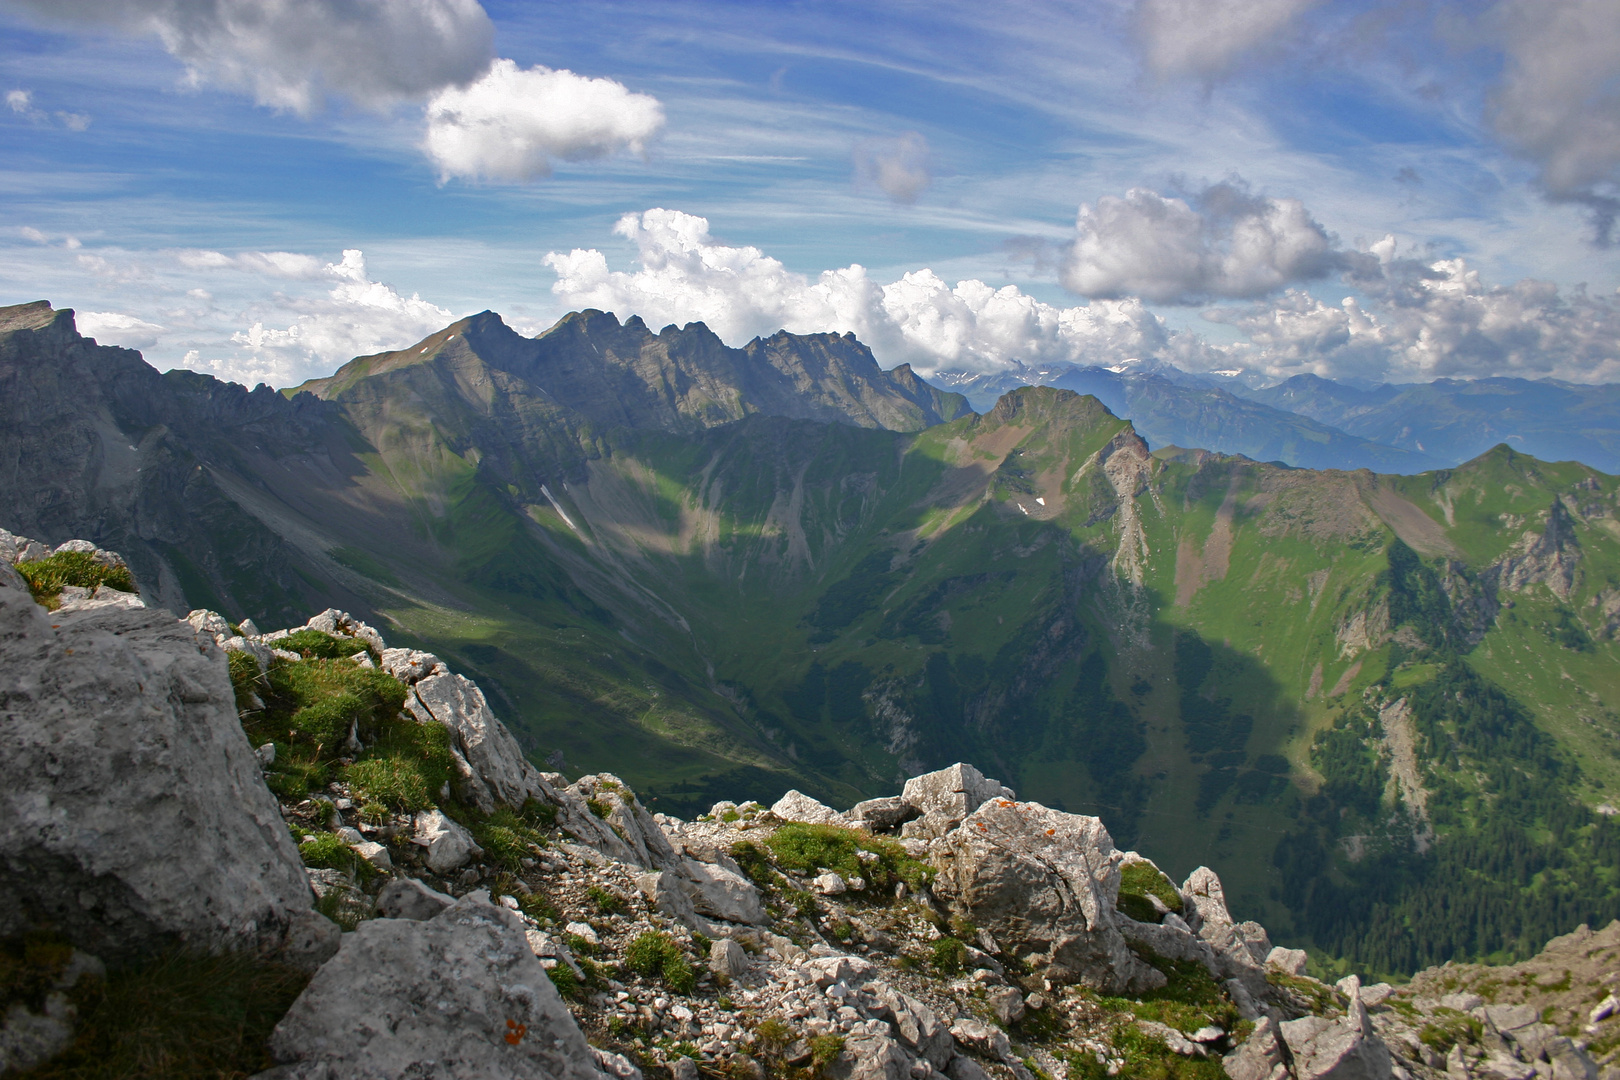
(723, 573)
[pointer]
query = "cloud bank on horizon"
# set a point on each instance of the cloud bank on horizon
(969, 190)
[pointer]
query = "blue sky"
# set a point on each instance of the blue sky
(1399, 190)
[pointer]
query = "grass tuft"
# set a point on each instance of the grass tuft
(49, 576)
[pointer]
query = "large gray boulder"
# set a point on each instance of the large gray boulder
(1044, 884)
(1342, 1049)
(1263, 1056)
(458, 997)
(944, 798)
(132, 811)
(797, 806)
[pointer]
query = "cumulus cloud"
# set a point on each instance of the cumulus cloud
(358, 316)
(900, 167)
(1231, 244)
(1424, 320)
(512, 123)
(1205, 39)
(1558, 103)
(291, 54)
(116, 328)
(687, 275)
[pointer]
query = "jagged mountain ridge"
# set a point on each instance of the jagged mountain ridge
(1163, 639)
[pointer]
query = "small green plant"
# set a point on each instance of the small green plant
(564, 979)
(599, 808)
(318, 645)
(798, 901)
(49, 576)
(502, 844)
(824, 1050)
(728, 816)
(539, 814)
(605, 902)
(537, 906)
(807, 848)
(949, 955)
(754, 861)
(1448, 1028)
(773, 1036)
(328, 851)
(395, 781)
(374, 813)
(656, 953)
(578, 945)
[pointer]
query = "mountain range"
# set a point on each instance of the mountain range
(1386, 703)
(1316, 423)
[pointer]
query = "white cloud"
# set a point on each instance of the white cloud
(1558, 103)
(357, 317)
(899, 167)
(512, 123)
(686, 275)
(1205, 39)
(116, 328)
(290, 54)
(1429, 320)
(277, 264)
(21, 102)
(1163, 249)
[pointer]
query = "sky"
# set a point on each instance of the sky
(1371, 190)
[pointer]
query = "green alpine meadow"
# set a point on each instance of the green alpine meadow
(1384, 706)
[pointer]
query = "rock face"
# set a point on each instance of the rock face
(458, 996)
(1043, 883)
(946, 797)
(132, 813)
(1343, 1049)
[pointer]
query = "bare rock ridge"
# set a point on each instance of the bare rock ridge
(514, 924)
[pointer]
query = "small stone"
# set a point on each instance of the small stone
(829, 884)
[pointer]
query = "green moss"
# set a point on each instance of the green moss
(328, 851)
(1189, 1000)
(656, 953)
(599, 808)
(1140, 881)
(318, 645)
(1447, 1028)
(47, 577)
(949, 955)
(566, 982)
(806, 848)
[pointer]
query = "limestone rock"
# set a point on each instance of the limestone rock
(728, 958)
(449, 846)
(1044, 884)
(982, 1037)
(722, 893)
(458, 997)
(1289, 961)
(411, 666)
(870, 1057)
(1343, 1049)
(944, 798)
(132, 811)
(1263, 1056)
(829, 884)
(408, 898)
(627, 833)
(919, 1027)
(797, 806)
(1006, 1003)
(881, 815)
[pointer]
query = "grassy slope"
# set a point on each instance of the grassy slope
(776, 603)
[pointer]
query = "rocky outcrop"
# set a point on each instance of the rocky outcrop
(132, 812)
(1547, 557)
(1342, 1049)
(945, 798)
(460, 996)
(1043, 883)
